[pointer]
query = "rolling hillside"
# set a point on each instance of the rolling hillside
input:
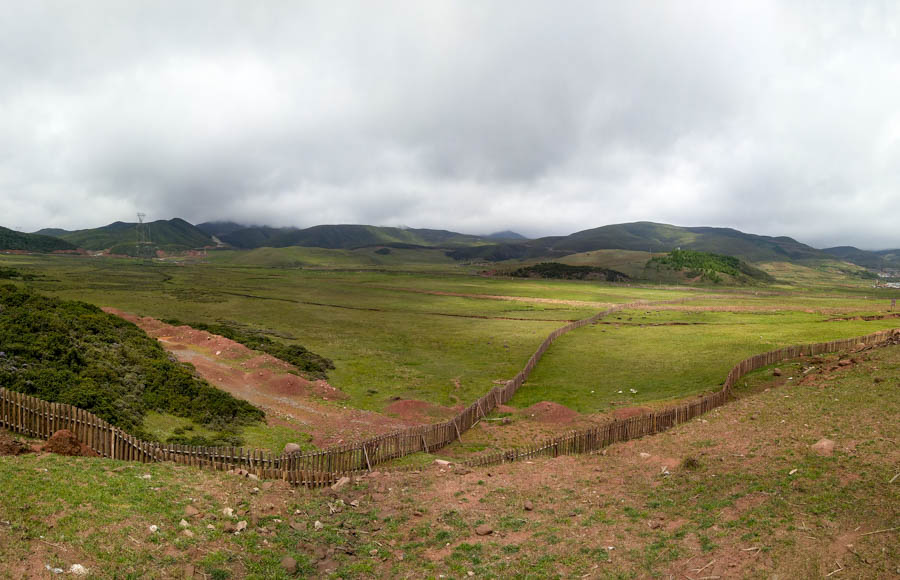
(878, 260)
(13, 240)
(121, 237)
(651, 237)
(346, 237)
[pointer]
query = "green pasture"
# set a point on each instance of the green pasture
(596, 368)
(390, 336)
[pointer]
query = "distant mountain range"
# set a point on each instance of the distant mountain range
(338, 236)
(650, 237)
(178, 235)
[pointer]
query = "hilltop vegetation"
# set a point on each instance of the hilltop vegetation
(72, 352)
(121, 238)
(567, 272)
(709, 266)
(13, 240)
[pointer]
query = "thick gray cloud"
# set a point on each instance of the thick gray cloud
(545, 117)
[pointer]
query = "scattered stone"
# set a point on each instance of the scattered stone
(254, 491)
(354, 503)
(289, 565)
(776, 372)
(318, 525)
(228, 527)
(190, 511)
(210, 527)
(373, 552)
(654, 524)
(187, 533)
(528, 505)
(228, 512)
(153, 529)
(53, 570)
(77, 570)
(644, 455)
(241, 526)
(183, 523)
(291, 448)
(824, 447)
(441, 462)
(845, 362)
(484, 530)
(342, 482)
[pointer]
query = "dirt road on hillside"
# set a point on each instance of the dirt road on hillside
(289, 400)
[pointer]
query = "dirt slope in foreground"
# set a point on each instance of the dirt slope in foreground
(739, 493)
(268, 383)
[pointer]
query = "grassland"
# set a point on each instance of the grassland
(414, 325)
(744, 497)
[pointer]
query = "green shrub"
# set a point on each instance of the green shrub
(72, 352)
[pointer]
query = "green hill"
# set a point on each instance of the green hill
(651, 237)
(347, 236)
(13, 240)
(121, 237)
(53, 232)
(219, 229)
(874, 260)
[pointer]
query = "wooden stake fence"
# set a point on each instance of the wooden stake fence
(40, 419)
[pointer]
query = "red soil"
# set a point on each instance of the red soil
(64, 442)
(270, 384)
(549, 412)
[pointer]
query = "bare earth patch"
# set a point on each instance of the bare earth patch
(269, 383)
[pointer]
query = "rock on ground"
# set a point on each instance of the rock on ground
(824, 447)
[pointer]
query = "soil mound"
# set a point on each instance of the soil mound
(10, 446)
(64, 442)
(549, 412)
(629, 412)
(416, 412)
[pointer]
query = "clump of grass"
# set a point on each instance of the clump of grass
(691, 463)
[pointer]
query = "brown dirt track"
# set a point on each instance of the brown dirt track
(270, 384)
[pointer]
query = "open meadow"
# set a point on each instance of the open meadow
(413, 337)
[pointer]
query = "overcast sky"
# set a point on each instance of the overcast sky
(543, 117)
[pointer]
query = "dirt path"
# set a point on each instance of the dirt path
(267, 382)
(600, 305)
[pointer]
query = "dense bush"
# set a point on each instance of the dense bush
(73, 352)
(708, 266)
(309, 363)
(567, 272)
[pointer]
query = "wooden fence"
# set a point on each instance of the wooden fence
(595, 438)
(37, 418)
